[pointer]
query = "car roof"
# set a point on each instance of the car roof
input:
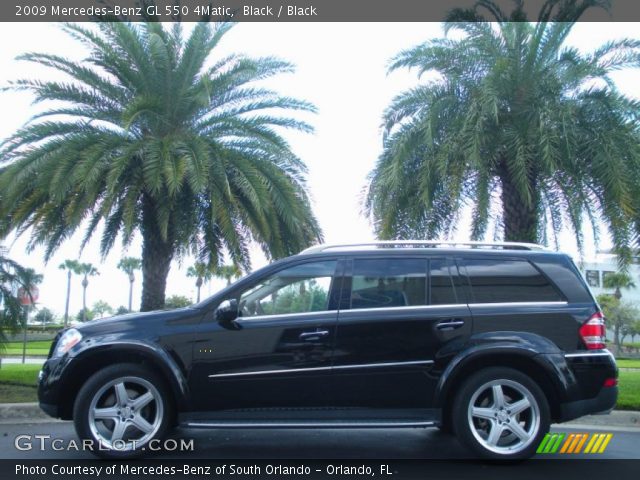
(402, 247)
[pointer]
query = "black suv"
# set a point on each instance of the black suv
(491, 341)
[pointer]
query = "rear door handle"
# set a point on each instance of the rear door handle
(311, 336)
(450, 324)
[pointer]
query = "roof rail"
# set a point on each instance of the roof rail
(424, 244)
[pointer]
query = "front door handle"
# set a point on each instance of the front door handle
(450, 324)
(313, 336)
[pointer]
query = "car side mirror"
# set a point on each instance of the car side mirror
(226, 313)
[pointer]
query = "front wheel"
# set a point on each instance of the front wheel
(501, 413)
(121, 409)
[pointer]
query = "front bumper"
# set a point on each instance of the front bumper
(50, 409)
(49, 382)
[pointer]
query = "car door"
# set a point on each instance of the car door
(278, 352)
(396, 314)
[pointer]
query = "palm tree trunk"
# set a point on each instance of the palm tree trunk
(130, 294)
(520, 217)
(157, 254)
(84, 299)
(198, 301)
(66, 305)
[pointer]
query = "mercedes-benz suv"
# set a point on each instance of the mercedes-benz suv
(493, 342)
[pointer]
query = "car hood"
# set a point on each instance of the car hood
(130, 321)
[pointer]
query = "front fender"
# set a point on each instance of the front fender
(158, 357)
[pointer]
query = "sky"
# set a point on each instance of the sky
(340, 67)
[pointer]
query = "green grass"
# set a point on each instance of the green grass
(35, 348)
(18, 373)
(628, 391)
(18, 383)
(628, 362)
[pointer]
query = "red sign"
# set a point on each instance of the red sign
(25, 298)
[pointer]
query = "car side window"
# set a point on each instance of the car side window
(503, 280)
(441, 288)
(388, 282)
(299, 289)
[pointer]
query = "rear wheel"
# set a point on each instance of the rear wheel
(501, 413)
(121, 409)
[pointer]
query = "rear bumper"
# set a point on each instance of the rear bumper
(600, 404)
(580, 390)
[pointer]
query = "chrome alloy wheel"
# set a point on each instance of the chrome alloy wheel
(503, 416)
(125, 413)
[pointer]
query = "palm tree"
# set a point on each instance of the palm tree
(129, 265)
(71, 266)
(617, 281)
(86, 270)
(11, 279)
(29, 278)
(202, 273)
(529, 132)
(228, 272)
(154, 138)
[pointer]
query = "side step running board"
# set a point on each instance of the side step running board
(309, 424)
(312, 418)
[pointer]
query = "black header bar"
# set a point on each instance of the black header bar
(278, 10)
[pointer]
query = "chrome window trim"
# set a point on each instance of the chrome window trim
(454, 305)
(319, 369)
(517, 304)
(405, 308)
(287, 315)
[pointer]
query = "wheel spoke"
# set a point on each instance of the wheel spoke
(108, 413)
(142, 401)
(121, 394)
(141, 424)
(519, 406)
(118, 430)
(494, 434)
(487, 413)
(498, 396)
(518, 431)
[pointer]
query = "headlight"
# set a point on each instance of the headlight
(68, 339)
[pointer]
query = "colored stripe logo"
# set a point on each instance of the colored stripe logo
(574, 443)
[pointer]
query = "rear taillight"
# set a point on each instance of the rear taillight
(610, 382)
(593, 332)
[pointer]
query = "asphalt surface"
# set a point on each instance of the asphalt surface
(296, 444)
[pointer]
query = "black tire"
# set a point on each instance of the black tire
(100, 396)
(445, 427)
(475, 431)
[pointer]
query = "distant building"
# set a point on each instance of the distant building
(604, 264)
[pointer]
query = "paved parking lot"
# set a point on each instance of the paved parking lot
(304, 444)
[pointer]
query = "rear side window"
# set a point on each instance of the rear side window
(388, 282)
(500, 281)
(441, 285)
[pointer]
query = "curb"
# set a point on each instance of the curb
(30, 412)
(22, 412)
(617, 418)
